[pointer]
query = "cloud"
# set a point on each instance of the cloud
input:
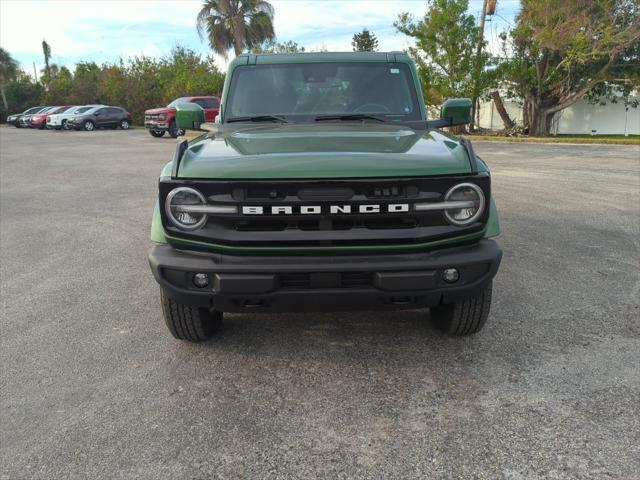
(93, 29)
(332, 23)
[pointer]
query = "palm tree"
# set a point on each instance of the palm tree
(46, 51)
(8, 70)
(237, 24)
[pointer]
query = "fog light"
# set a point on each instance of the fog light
(201, 280)
(450, 275)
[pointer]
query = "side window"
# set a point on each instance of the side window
(101, 111)
(199, 101)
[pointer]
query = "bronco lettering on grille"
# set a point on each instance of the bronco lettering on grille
(324, 210)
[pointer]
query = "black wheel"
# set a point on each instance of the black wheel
(174, 131)
(124, 124)
(64, 125)
(156, 133)
(88, 126)
(186, 322)
(466, 317)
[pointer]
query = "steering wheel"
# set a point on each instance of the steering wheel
(372, 108)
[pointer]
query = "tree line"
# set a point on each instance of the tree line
(556, 53)
(137, 84)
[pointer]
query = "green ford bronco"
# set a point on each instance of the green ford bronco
(322, 185)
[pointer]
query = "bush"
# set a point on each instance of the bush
(21, 93)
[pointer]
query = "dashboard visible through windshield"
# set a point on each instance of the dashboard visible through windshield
(304, 92)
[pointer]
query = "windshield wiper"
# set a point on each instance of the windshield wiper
(350, 116)
(258, 118)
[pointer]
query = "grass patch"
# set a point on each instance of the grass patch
(599, 139)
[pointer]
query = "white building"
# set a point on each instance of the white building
(582, 118)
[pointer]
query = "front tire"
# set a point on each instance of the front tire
(156, 133)
(88, 126)
(124, 124)
(174, 131)
(186, 322)
(465, 317)
(64, 125)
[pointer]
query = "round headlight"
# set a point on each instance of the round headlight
(177, 208)
(470, 195)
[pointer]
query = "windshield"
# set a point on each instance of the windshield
(82, 109)
(302, 92)
(33, 110)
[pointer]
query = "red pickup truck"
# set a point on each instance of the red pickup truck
(160, 120)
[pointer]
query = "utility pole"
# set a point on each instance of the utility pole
(478, 66)
(35, 73)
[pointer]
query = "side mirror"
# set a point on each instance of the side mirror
(456, 111)
(189, 116)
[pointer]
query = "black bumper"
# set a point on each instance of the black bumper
(321, 283)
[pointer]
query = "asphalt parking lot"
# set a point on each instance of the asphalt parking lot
(93, 386)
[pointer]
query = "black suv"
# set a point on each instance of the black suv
(101, 117)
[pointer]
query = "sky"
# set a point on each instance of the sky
(107, 30)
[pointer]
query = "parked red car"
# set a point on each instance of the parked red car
(39, 120)
(160, 120)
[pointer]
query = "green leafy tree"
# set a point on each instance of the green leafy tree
(237, 24)
(364, 41)
(8, 71)
(60, 84)
(272, 46)
(446, 40)
(22, 92)
(115, 86)
(85, 84)
(185, 71)
(560, 52)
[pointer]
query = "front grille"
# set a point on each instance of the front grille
(340, 229)
(154, 116)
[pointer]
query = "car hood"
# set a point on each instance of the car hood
(159, 110)
(336, 150)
